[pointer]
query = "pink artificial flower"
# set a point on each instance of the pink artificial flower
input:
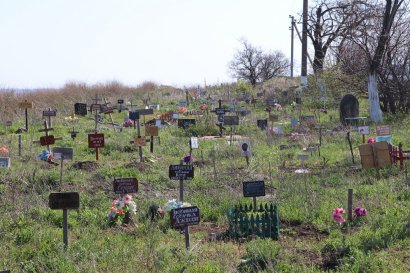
(203, 106)
(182, 110)
(127, 199)
(4, 150)
(337, 215)
(114, 202)
(371, 140)
(360, 212)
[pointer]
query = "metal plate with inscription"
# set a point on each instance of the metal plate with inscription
(181, 172)
(125, 185)
(151, 130)
(253, 188)
(80, 109)
(64, 200)
(96, 141)
(231, 120)
(64, 153)
(183, 217)
(5, 162)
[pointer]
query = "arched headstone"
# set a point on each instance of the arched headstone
(349, 108)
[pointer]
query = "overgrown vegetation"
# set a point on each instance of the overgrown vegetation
(310, 241)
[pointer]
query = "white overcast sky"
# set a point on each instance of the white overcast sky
(46, 43)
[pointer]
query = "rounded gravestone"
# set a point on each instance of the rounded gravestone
(349, 108)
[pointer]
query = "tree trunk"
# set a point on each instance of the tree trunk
(374, 103)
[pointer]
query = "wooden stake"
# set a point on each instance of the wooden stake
(19, 144)
(350, 145)
(65, 228)
(350, 205)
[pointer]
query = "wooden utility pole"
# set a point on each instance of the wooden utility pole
(303, 75)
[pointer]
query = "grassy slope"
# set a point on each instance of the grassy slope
(31, 235)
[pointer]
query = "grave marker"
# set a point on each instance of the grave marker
(220, 112)
(151, 131)
(253, 189)
(181, 172)
(375, 155)
(61, 153)
(108, 109)
(47, 140)
(96, 141)
(349, 108)
(5, 162)
(80, 109)
(185, 123)
(49, 113)
(183, 217)
(64, 201)
(125, 185)
(26, 105)
(246, 150)
(262, 123)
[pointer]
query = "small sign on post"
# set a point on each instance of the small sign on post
(185, 123)
(246, 150)
(96, 141)
(26, 105)
(64, 201)
(5, 162)
(181, 172)
(183, 217)
(125, 185)
(61, 154)
(254, 189)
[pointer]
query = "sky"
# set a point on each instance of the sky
(47, 43)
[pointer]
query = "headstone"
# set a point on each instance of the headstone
(80, 109)
(383, 130)
(262, 123)
(151, 131)
(246, 149)
(349, 108)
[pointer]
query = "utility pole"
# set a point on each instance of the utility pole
(303, 75)
(292, 29)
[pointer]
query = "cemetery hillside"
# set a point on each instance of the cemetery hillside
(223, 178)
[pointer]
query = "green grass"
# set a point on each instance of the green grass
(310, 241)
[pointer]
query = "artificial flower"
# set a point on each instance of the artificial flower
(127, 199)
(337, 215)
(360, 212)
(4, 150)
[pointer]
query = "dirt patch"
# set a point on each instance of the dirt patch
(298, 229)
(141, 166)
(227, 137)
(85, 165)
(214, 231)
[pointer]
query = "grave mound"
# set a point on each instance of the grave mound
(85, 165)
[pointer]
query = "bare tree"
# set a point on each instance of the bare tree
(328, 20)
(253, 65)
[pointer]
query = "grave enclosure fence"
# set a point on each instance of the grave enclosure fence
(244, 221)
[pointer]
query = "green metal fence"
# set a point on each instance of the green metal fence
(244, 221)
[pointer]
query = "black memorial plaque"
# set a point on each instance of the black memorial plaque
(262, 123)
(254, 188)
(183, 217)
(125, 185)
(181, 172)
(80, 109)
(231, 120)
(64, 200)
(134, 115)
(185, 123)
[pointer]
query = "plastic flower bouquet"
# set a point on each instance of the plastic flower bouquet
(173, 204)
(121, 210)
(45, 155)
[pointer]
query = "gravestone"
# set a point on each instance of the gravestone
(349, 108)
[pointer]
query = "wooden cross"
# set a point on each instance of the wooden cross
(109, 111)
(73, 134)
(47, 140)
(220, 112)
(96, 107)
(132, 106)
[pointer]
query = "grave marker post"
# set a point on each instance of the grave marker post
(220, 112)
(96, 107)
(19, 144)
(350, 205)
(26, 105)
(64, 201)
(47, 140)
(109, 111)
(349, 139)
(182, 172)
(49, 113)
(254, 189)
(62, 153)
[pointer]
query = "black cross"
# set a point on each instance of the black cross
(220, 112)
